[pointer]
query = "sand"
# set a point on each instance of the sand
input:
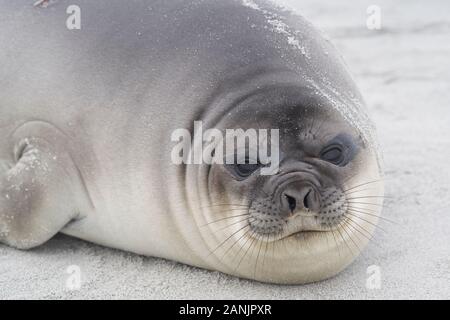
(403, 71)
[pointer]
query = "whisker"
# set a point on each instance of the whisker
(363, 184)
(369, 237)
(232, 209)
(355, 210)
(366, 197)
(345, 242)
(345, 226)
(335, 240)
(347, 230)
(257, 257)
(240, 248)
(234, 243)
(374, 211)
(273, 248)
(224, 204)
(265, 251)
(225, 218)
(232, 224)
(328, 243)
(222, 243)
(353, 226)
(369, 203)
(350, 178)
(370, 222)
(357, 191)
(245, 253)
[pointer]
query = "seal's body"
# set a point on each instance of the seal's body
(86, 118)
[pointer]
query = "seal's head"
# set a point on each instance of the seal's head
(308, 212)
(305, 214)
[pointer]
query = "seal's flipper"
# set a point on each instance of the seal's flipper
(38, 189)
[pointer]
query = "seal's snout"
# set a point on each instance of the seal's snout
(298, 196)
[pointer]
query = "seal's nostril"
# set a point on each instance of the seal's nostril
(298, 197)
(306, 200)
(292, 202)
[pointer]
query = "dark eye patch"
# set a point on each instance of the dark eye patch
(340, 150)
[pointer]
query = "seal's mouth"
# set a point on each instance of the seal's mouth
(303, 223)
(300, 235)
(307, 233)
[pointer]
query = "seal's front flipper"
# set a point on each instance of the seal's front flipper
(39, 187)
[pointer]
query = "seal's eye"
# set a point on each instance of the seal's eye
(246, 169)
(340, 150)
(333, 154)
(243, 167)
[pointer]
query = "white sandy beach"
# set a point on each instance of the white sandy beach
(403, 71)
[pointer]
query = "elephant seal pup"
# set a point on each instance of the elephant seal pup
(87, 119)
